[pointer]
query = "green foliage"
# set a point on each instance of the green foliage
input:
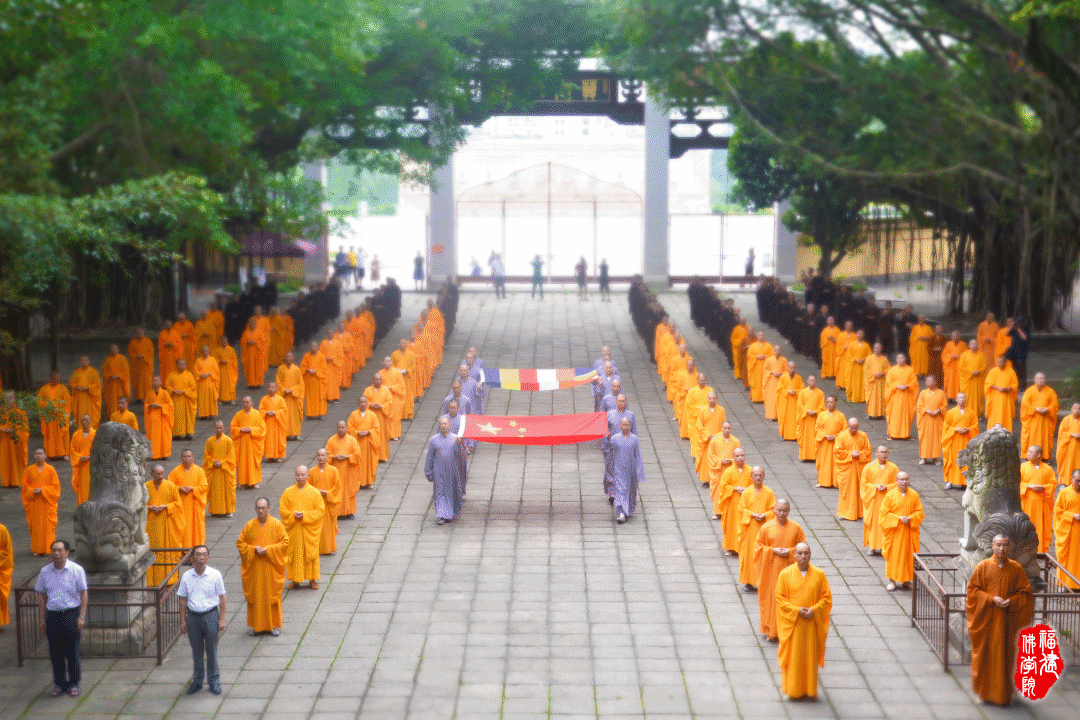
(797, 287)
(291, 285)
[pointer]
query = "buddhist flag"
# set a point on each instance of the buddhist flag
(534, 430)
(548, 379)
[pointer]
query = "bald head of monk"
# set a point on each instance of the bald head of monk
(811, 382)
(301, 475)
(802, 556)
(781, 510)
(620, 402)
(711, 398)
(757, 474)
(1001, 547)
(853, 425)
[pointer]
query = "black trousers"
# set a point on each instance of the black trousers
(60, 629)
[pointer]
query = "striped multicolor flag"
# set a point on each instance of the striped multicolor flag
(547, 379)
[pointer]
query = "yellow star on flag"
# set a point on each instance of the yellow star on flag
(489, 428)
(513, 423)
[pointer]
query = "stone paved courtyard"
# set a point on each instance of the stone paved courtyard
(534, 604)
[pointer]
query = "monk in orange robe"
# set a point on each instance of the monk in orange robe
(190, 481)
(331, 349)
(1003, 341)
(719, 456)
(774, 551)
(743, 355)
(950, 363)
(405, 361)
(219, 465)
(878, 478)
(186, 329)
(264, 547)
(275, 415)
(262, 323)
(316, 373)
(755, 509)
(394, 381)
(228, 370)
(164, 525)
(85, 386)
(919, 346)
(710, 420)
(290, 383)
(811, 402)
(737, 336)
(123, 415)
(276, 347)
(253, 355)
(999, 606)
(1038, 417)
(185, 395)
(772, 368)
(1037, 484)
(349, 364)
(14, 436)
(217, 318)
(7, 568)
(205, 332)
(843, 364)
(366, 427)
(858, 350)
(79, 452)
(730, 487)
(986, 341)
(972, 371)
(54, 407)
(803, 602)
(697, 397)
(158, 420)
(248, 430)
(756, 355)
(140, 352)
(344, 452)
(875, 369)
(207, 384)
(828, 339)
(901, 517)
(381, 401)
(680, 381)
(40, 497)
(170, 347)
(1001, 388)
(1068, 447)
(117, 378)
(960, 426)
(787, 400)
(301, 510)
(830, 423)
(1067, 531)
(325, 478)
(851, 453)
(901, 390)
(930, 409)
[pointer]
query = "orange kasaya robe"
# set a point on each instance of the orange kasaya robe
(407, 362)
(857, 353)
(1036, 428)
(276, 345)
(772, 536)
(848, 470)
(972, 370)
(274, 445)
(7, 568)
(1068, 448)
(873, 475)
(1001, 345)
(756, 355)
(930, 425)
(86, 402)
(708, 422)
(193, 503)
(248, 445)
(14, 439)
(696, 398)
(1067, 535)
(221, 481)
(348, 469)
(158, 422)
(205, 334)
(772, 369)
(744, 348)
(900, 404)
(802, 640)
(385, 399)
(316, 381)
(207, 388)
(874, 386)
(185, 396)
(987, 339)
(165, 530)
(41, 508)
(228, 372)
(335, 363)
(290, 380)
(957, 431)
(843, 364)
(348, 358)
(718, 458)
(901, 541)
(759, 502)
(950, 363)
(370, 444)
(993, 630)
(80, 469)
(726, 499)
(787, 405)
(828, 341)
(126, 418)
(170, 347)
(1001, 406)
(141, 368)
(737, 336)
(810, 404)
(919, 348)
(305, 534)
(186, 330)
(253, 356)
(263, 576)
(328, 479)
(828, 424)
(117, 378)
(218, 318)
(394, 381)
(1039, 505)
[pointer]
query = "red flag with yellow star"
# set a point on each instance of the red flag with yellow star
(534, 430)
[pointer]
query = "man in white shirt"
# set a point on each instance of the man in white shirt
(202, 617)
(62, 598)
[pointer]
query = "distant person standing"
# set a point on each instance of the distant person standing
(1018, 351)
(361, 257)
(341, 266)
(474, 266)
(498, 274)
(418, 271)
(202, 618)
(62, 598)
(353, 262)
(749, 269)
(605, 290)
(580, 271)
(537, 276)
(375, 266)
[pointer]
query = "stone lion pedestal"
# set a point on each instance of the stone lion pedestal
(112, 545)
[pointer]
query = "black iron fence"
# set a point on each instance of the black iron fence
(120, 621)
(939, 596)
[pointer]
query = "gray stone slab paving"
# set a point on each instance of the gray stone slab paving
(534, 604)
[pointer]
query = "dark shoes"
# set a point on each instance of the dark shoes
(193, 688)
(215, 688)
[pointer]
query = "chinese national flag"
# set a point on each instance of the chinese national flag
(534, 430)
